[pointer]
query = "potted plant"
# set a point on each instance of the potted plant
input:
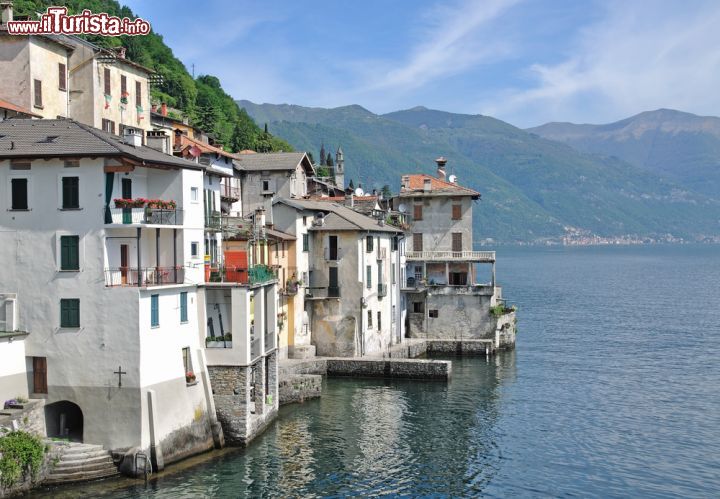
(190, 377)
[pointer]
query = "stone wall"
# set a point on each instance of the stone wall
(298, 387)
(400, 368)
(505, 331)
(31, 418)
(465, 347)
(230, 393)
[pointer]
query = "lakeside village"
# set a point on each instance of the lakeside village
(161, 297)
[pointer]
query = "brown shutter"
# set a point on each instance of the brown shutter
(456, 212)
(417, 214)
(457, 241)
(417, 241)
(40, 375)
(107, 81)
(138, 94)
(62, 77)
(123, 85)
(37, 85)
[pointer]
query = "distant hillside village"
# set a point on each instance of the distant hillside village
(158, 291)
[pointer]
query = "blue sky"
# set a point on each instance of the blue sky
(523, 61)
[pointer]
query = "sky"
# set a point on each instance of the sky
(526, 62)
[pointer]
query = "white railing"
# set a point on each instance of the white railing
(478, 256)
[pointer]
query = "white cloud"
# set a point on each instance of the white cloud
(638, 57)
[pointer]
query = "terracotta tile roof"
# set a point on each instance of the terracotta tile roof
(416, 183)
(12, 107)
(186, 142)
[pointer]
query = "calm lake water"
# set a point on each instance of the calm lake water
(613, 391)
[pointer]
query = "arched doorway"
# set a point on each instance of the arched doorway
(64, 419)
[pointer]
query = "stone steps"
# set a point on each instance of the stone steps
(76, 462)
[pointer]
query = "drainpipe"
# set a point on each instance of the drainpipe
(157, 252)
(139, 259)
(175, 265)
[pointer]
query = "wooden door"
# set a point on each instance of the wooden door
(40, 375)
(124, 264)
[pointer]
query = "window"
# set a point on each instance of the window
(368, 271)
(418, 307)
(69, 312)
(126, 188)
(265, 185)
(187, 360)
(106, 80)
(70, 193)
(417, 241)
(306, 242)
(183, 307)
(433, 314)
(456, 212)
(108, 126)
(72, 163)
(62, 77)
(457, 241)
(19, 194)
(123, 85)
(154, 310)
(393, 279)
(417, 212)
(369, 316)
(194, 249)
(138, 94)
(394, 243)
(194, 194)
(37, 86)
(69, 252)
(369, 243)
(379, 321)
(304, 221)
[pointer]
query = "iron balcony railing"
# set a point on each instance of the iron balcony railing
(150, 276)
(382, 290)
(259, 274)
(322, 292)
(136, 216)
(442, 256)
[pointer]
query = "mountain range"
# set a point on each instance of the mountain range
(547, 184)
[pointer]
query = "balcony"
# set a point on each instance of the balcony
(143, 216)
(144, 277)
(451, 256)
(269, 340)
(255, 346)
(259, 274)
(229, 192)
(381, 290)
(322, 292)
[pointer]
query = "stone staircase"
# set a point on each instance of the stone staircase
(75, 462)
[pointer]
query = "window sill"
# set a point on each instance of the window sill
(62, 89)
(69, 329)
(184, 322)
(70, 209)
(19, 209)
(38, 107)
(68, 270)
(193, 383)
(155, 327)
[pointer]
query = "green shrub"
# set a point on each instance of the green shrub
(20, 452)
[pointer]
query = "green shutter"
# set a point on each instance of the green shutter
(71, 192)
(69, 253)
(154, 310)
(69, 312)
(183, 307)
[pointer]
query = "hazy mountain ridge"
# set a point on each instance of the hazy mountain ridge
(534, 189)
(679, 146)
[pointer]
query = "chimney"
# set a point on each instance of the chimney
(427, 185)
(120, 51)
(441, 162)
(132, 136)
(7, 12)
(163, 109)
(158, 139)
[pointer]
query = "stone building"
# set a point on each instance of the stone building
(106, 289)
(440, 278)
(352, 292)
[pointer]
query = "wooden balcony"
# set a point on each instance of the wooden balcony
(451, 256)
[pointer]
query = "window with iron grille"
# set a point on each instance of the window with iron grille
(417, 241)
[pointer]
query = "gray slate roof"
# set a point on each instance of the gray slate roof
(339, 217)
(63, 137)
(271, 161)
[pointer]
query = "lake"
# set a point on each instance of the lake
(613, 391)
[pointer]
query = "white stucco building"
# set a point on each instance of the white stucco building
(107, 289)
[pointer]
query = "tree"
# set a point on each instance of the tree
(329, 160)
(310, 157)
(351, 185)
(386, 192)
(322, 155)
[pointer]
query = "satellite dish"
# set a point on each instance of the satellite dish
(452, 179)
(359, 192)
(402, 208)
